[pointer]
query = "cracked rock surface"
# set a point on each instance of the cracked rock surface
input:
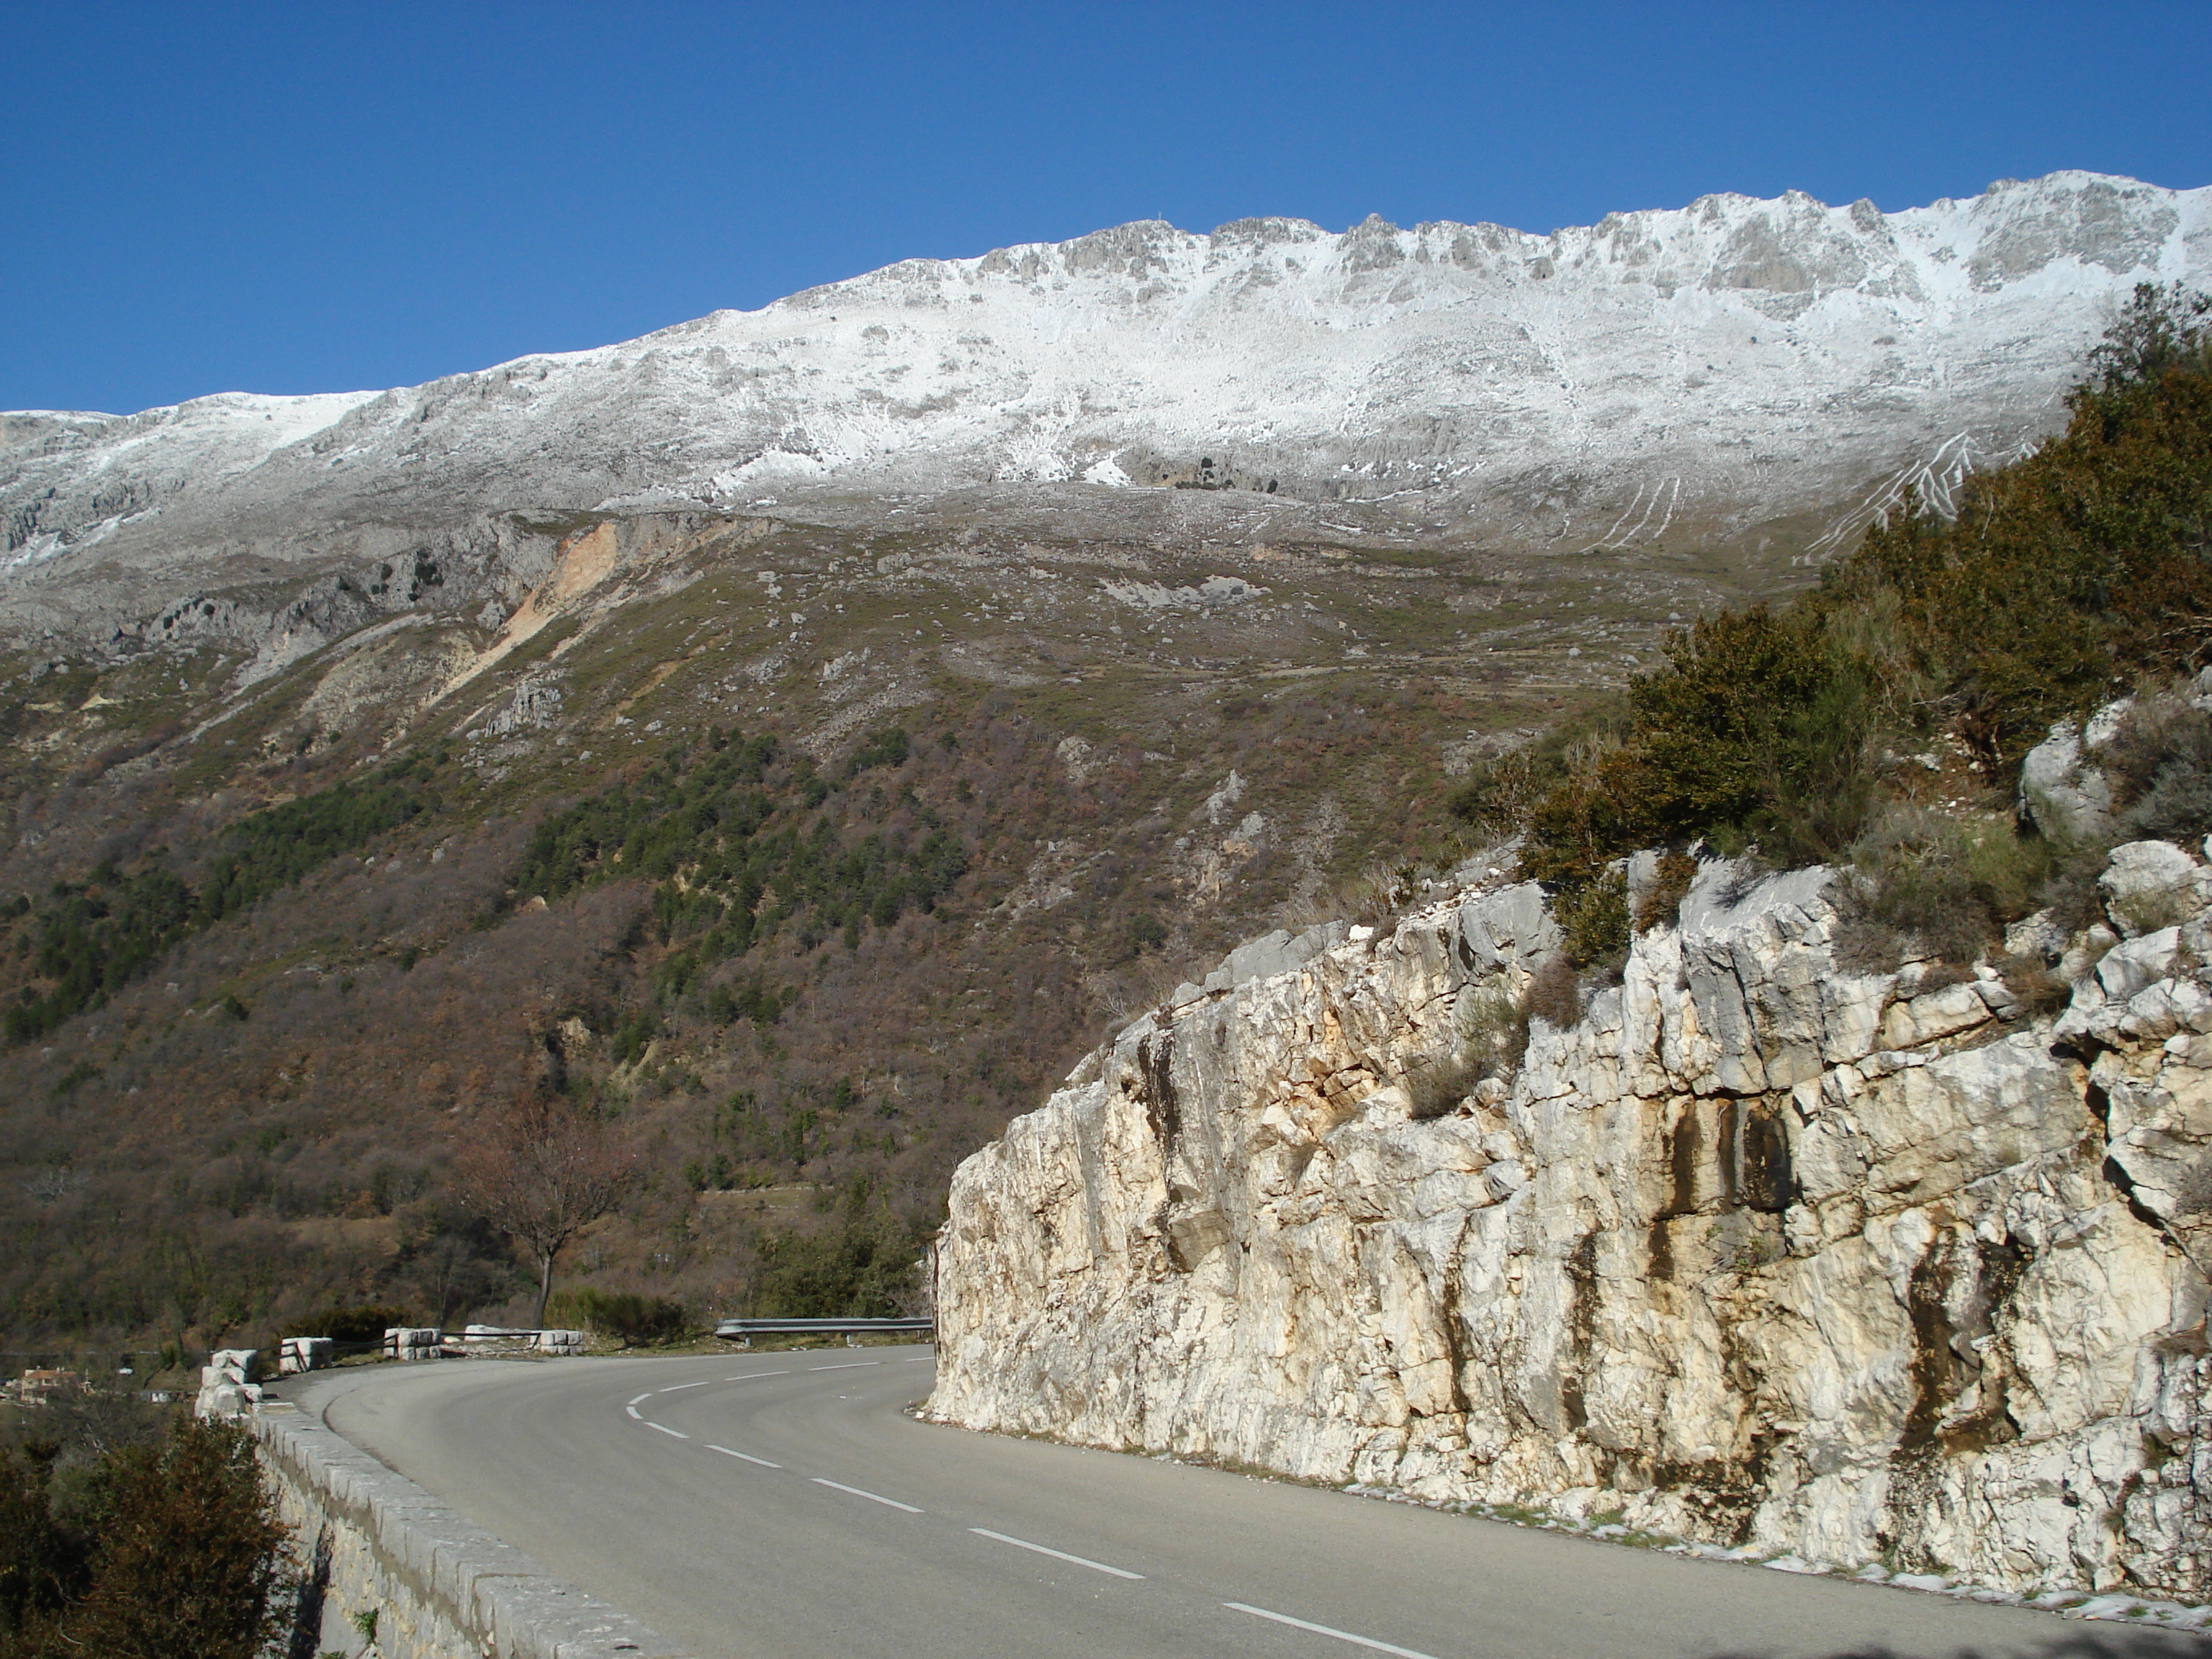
(1867, 1267)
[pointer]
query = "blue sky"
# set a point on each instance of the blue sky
(203, 197)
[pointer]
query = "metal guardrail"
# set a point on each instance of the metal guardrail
(744, 1330)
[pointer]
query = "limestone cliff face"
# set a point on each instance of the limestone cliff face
(1758, 1250)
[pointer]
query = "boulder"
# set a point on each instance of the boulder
(2150, 885)
(2067, 798)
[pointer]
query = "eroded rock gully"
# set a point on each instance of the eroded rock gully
(1865, 1267)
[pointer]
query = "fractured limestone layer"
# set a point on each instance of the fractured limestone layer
(1864, 1266)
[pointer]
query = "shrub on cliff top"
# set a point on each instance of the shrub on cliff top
(2158, 764)
(2064, 577)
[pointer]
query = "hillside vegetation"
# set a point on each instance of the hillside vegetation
(802, 927)
(803, 859)
(1881, 720)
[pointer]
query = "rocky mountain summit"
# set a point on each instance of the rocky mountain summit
(1893, 1272)
(1712, 373)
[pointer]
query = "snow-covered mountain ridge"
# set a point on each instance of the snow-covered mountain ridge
(1732, 362)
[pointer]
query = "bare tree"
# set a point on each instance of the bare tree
(542, 1172)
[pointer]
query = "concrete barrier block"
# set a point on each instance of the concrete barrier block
(358, 1487)
(410, 1343)
(516, 1614)
(304, 1353)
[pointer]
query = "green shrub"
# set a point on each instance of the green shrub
(710, 1174)
(2158, 764)
(734, 834)
(1492, 1035)
(1775, 732)
(98, 935)
(1757, 731)
(1500, 790)
(888, 747)
(173, 1548)
(190, 1552)
(2040, 990)
(41, 1562)
(1922, 885)
(2076, 567)
(366, 1323)
(1661, 903)
(631, 1318)
(1554, 993)
(1594, 917)
(1434, 1088)
(863, 1269)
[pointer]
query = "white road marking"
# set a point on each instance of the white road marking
(748, 1376)
(1325, 1630)
(850, 1365)
(873, 1498)
(632, 1410)
(924, 1360)
(680, 1387)
(666, 1430)
(1057, 1555)
(642, 1398)
(747, 1456)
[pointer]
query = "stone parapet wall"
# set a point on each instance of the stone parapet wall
(437, 1586)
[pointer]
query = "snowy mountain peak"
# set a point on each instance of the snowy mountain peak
(1750, 359)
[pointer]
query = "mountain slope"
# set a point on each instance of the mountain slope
(1727, 362)
(293, 690)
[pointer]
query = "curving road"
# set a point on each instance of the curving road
(783, 1506)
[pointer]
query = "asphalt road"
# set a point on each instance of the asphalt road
(783, 1506)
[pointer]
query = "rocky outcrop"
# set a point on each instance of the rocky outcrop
(2064, 790)
(2061, 788)
(1905, 1268)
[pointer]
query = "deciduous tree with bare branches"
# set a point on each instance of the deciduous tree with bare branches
(541, 1170)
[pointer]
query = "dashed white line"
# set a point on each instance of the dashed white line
(1057, 1555)
(642, 1398)
(1325, 1630)
(1367, 1642)
(873, 1498)
(747, 1457)
(924, 1360)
